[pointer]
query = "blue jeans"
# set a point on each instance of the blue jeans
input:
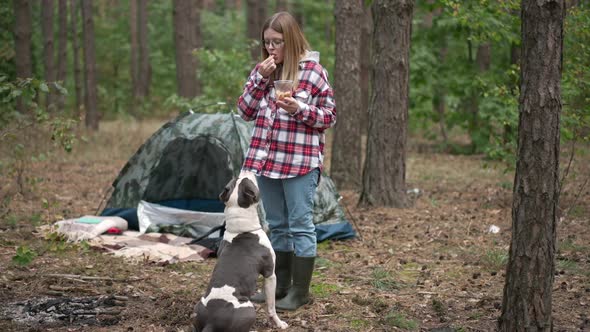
(288, 204)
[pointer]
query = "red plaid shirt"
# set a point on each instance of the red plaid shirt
(284, 145)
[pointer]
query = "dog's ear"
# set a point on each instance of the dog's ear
(248, 193)
(229, 187)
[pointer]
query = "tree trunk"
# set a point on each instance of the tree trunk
(76, 55)
(90, 99)
(22, 43)
(440, 96)
(384, 175)
(482, 63)
(529, 277)
(255, 16)
(145, 69)
(134, 52)
(183, 39)
(141, 71)
(196, 38)
(345, 166)
(365, 54)
(281, 6)
(47, 8)
(62, 56)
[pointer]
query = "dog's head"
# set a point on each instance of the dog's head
(242, 191)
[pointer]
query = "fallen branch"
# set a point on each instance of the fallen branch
(82, 278)
(73, 289)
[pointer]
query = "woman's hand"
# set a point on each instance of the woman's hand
(267, 66)
(289, 104)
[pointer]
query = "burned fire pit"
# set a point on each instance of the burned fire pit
(50, 312)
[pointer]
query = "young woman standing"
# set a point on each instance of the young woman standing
(287, 147)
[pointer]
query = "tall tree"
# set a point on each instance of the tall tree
(185, 13)
(134, 51)
(91, 97)
(145, 69)
(365, 54)
(345, 167)
(255, 16)
(22, 41)
(529, 277)
(482, 64)
(140, 63)
(76, 55)
(384, 174)
(47, 9)
(281, 5)
(62, 41)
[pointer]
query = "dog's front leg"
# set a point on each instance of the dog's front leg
(270, 286)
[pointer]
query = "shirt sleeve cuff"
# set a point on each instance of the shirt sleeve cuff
(260, 81)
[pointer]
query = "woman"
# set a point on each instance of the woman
(286, 150)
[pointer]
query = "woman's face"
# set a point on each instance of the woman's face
(274, 44)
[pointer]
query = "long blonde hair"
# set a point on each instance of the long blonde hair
(295, 44)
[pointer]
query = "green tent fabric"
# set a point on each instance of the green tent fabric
(188, 161)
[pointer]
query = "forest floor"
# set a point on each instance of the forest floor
(431, 266)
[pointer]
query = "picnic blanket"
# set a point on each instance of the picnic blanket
(161, 248)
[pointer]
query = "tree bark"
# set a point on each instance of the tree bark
(281, 6)
(140, 63)
(384, 175)
(530, 272)
(145, 69)
(47, 8)
(22, 43)
(365, 54)
(91, 98)
(134, 52)
(186, 64)
(255, 16)
(345, 166)
(76, 55)
(62, 56)
(482, 64)
(196, 38)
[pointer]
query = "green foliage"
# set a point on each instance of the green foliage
(223, 73)
(319, 29)
(24, 135)
(24, 255)
(576, 75)
(443, 63)
(56, 242)
(7, 65)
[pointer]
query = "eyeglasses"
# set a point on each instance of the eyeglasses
(276, 43)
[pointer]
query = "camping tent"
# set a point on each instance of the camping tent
(188, 161)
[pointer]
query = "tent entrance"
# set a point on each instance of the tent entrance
(189, 169)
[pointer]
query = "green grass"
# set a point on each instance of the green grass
(439, 308)
(398, 319)
(383, 280)
(359, 324)
(495, 259)
(323, 290)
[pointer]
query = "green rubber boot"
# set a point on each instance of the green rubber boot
(299, 293)
(283, 270)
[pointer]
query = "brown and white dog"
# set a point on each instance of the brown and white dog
(244, 253)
